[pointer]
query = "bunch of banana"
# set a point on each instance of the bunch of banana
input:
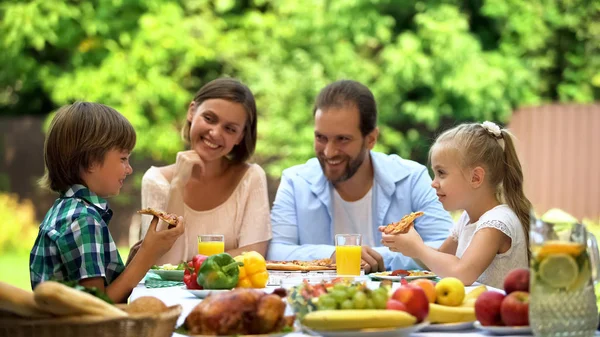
(446, 314)
(471, 297)
(463, 313)
(357, 319)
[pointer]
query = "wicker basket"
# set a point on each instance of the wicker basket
(155, 325)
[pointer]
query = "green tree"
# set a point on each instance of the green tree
(431, 64)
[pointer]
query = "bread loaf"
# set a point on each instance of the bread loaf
(146, 305)
(62, 300)
(18, 301)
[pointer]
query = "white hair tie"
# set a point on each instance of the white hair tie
(494, 130)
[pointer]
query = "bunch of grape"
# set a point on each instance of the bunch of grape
(353, 297)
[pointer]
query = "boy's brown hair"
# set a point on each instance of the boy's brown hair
(81, 134)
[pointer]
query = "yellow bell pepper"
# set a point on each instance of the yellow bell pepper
(254, 272)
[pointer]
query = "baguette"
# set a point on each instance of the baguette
(18, 301)
(62, 300)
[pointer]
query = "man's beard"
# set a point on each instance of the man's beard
(352, 166)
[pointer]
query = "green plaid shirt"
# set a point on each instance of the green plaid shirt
(74, 242)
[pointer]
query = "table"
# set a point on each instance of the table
(178, 295)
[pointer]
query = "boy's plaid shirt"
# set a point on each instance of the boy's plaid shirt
(74, 242)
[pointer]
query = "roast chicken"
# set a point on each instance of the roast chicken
(240, 311)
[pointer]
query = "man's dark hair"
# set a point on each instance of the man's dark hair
(344, 93)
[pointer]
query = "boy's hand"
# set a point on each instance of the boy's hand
(159, 242)
(185, 164)
(409, 244)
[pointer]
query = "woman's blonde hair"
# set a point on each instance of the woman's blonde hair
(81, 134)
(494, 150)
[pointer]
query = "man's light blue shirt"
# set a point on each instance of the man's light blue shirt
(302, 214)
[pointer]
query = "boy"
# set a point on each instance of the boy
(86, 154)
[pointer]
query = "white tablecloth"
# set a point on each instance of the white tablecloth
(178, 295)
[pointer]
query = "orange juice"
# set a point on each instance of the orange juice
(348, 260)
(211, 247)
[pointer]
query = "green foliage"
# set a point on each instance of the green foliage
(19, 224)
(430, 64)
(14, 269)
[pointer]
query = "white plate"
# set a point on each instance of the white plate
(375, 276)
(205, 292)
(168, 275)
(401, 332)
(504, 330)
(462, 326)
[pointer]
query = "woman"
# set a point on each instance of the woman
(212, 185)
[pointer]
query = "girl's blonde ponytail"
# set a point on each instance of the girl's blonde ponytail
(512, 186)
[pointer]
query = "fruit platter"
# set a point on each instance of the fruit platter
(343, 308)
(505, 313)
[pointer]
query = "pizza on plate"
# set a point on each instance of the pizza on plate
(169, 218)
(406, 273)
(403, 225)
(297, 265)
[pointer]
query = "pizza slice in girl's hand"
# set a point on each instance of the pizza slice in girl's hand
(403, 225)
(169, 218)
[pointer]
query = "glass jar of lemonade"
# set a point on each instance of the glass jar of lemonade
(562, 303)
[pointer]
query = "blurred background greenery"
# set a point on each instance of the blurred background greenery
(431, 64)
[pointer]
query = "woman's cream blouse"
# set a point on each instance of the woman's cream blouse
(244, 218)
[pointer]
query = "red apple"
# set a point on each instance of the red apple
(487, 308)
(517, 280)
(393, 304)
(515, 309)
(414, 299)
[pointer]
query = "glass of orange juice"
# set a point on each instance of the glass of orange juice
(347, 254)
(211, 244)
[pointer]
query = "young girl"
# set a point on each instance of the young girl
(476, 170)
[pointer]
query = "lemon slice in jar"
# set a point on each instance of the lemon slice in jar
(558, 270)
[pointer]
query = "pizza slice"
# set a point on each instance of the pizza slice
(400, 272)
(297, 265)
(169, 218)
(283, 265)
(321, 264)
(403, 225)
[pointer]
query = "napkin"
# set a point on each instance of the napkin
(154, 281)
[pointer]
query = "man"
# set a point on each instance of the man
(349, 189)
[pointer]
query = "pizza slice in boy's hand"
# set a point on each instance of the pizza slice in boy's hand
(169, 218)
(403, 225)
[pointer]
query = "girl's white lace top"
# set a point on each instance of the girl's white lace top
(244, 218)
(505, 220)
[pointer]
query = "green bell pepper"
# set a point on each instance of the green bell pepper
(219, 271)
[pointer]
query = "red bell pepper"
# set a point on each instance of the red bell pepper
(190, 275)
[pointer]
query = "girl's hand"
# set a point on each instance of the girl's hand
(409, 244)
(186, 162)
(157, 243)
